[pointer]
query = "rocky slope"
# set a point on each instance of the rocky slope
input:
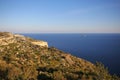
(8, 38)
(23, 58)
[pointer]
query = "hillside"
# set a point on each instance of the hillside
(23, 58)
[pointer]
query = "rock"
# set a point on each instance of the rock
(20, 36)
(7, 38)
(67, 57)
(40, 43)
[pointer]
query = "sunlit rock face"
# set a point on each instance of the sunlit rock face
(7, 38)
(40, 43)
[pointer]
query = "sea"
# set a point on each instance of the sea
(104, 48)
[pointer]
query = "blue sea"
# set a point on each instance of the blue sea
(103, 48)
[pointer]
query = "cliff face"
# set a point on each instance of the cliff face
(7, 38)
(23, 58)
(40, 43)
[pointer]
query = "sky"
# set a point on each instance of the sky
(60, 16)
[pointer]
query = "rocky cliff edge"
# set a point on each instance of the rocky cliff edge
(7, 38)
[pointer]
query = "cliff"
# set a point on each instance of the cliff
(6, 38)
(23, 58)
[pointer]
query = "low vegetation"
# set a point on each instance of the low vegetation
(25, 61)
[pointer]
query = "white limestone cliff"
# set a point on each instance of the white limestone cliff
(7, 38)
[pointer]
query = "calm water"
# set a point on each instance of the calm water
(104, 48)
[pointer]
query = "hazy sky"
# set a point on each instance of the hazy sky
(60, 16)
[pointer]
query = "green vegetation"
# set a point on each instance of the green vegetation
(25, 61)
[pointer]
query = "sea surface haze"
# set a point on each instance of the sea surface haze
(103, 48)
